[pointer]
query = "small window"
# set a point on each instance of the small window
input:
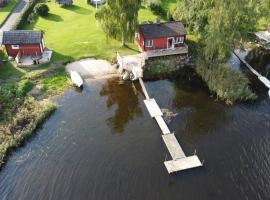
(15, 46)
(149, 43)
(137, 36)
(179, 40)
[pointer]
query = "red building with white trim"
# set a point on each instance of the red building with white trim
(23, 42)
(161, 36)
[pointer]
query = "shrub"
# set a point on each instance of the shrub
(229, 84)
(41, 9)
(24, 87)
(156, 7)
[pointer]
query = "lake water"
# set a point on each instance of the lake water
(102, 144)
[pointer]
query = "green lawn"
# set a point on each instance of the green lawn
(168, 4)
(73, 32)
(4, 11)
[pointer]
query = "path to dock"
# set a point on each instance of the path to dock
(179, 160)
(262, 78)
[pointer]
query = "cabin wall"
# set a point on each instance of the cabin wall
(26, 49)
(140, 41)
(161, 43)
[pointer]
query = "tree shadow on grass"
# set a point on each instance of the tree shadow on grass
(78, 9)
(54, 17)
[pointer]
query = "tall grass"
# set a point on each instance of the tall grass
(228, 84)
(30, 115)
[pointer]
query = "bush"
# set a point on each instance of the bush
(41, 9)
(24, 87)
(156, 7)
(229, 84)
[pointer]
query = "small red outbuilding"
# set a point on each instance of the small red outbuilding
(158, 36)
(23, 42)
(2, 2)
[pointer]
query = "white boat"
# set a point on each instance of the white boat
(76, 78)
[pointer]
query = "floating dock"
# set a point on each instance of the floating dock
(179, 160)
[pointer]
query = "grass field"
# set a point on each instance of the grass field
(73, 32)
(4, 11)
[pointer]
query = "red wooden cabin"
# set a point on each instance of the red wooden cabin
(158, 36)
(23, 42)
(2, 2)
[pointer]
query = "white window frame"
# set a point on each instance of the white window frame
(15, 46)
(179, 40)
(137, 36)
(149, 43)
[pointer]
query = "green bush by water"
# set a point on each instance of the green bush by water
(228, 84)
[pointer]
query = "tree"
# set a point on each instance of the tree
(41, 9)
(119, 18)
(229, 23)
(194, 14)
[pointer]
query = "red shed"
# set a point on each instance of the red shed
(160, 36)
(25, 42)
(2, 2)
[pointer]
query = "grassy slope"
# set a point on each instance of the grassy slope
(4, 11)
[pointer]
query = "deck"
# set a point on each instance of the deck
(165, 52)
(182, 164)
(179, 160)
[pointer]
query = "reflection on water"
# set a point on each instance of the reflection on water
(200, 111)
(124, 96)
(259, 59)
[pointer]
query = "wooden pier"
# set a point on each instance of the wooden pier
(179, 160)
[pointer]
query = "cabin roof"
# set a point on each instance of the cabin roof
(22, 37)
(159, 30)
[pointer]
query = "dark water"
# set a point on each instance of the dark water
(102, 144)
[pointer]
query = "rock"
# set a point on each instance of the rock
(36, 90)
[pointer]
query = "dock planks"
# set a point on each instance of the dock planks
(173, 146)
(152, 107)
(182, 164)
(162, 125)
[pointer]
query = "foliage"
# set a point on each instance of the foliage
(41, 9)
(221, 27)
(156, 7)
(119, 19)
(264, 8)
(25, 13)
(56, 82)
(16, 92)
(229, 24)
(30, 115)
(194, 13)
(227, 83)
